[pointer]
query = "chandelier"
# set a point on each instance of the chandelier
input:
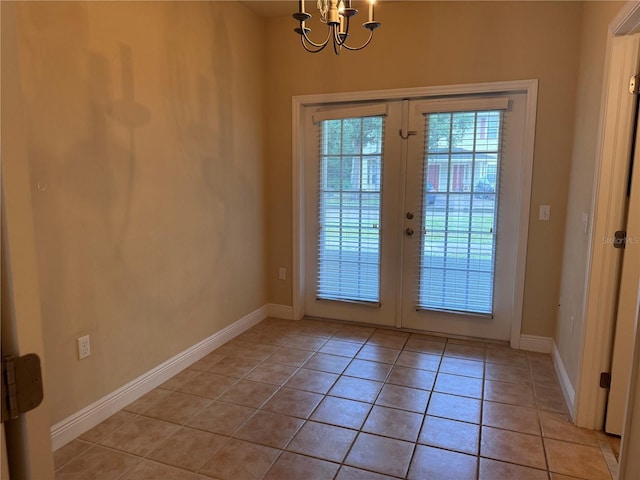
(336, 14)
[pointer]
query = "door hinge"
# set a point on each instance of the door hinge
(605, 380)
(21, 385)
(619, 239)
(634, 84)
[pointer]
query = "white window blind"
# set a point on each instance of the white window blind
(460, 205)
(349, 205)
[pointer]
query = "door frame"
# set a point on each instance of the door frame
(631, 428)
(625, 319)
(623, 51)
(28, 438)
(616, 129)
(299, 103)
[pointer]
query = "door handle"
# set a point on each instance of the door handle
(409, 231)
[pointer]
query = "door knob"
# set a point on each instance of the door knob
(409, 231)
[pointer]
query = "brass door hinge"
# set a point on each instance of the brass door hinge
(21, 385)
(620, 239)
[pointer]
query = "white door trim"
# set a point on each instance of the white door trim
(631, 430)
(27, 438)
(298, 220)
(627, 21)
(614, 144)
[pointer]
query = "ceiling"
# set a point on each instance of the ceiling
(270, 8)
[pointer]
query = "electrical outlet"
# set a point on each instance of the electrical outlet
(84, 347)
(282, 273)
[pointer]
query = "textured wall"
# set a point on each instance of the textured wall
(145, 141)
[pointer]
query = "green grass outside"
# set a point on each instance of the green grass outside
(479, 240)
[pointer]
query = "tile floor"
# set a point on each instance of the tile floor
(320, 400)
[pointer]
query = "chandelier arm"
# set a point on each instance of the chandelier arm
(335, 30)
(308, 47)
(361, 46)
(304, 37)
(337, 37)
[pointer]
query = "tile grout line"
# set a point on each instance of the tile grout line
(325, 395)
(479, 446)
(364, 421)
(259, 409)
(484, 377)
(307, 419)
(535, 398)
(609, 457)
(426, 408)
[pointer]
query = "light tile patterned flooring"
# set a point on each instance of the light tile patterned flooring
(314, 400)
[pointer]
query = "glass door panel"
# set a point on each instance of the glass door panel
(458, 235)
(463, 168)
(349, 209)
(348, 224)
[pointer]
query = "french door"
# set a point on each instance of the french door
(352, 186)
(413, 212)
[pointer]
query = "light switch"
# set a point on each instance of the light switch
(585, 222)
(545, 211)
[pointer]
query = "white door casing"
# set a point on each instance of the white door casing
(28, 438)
(629, 467)
(523, 181)
(624, 341)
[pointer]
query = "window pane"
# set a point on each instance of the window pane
(457, 260)
(349, 209)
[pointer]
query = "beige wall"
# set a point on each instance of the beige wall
(145, 142)
(441, 43)
(570, 321)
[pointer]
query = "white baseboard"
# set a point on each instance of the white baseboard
(534, 343)
(565, 383)
(280, 311)
(87, 418)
